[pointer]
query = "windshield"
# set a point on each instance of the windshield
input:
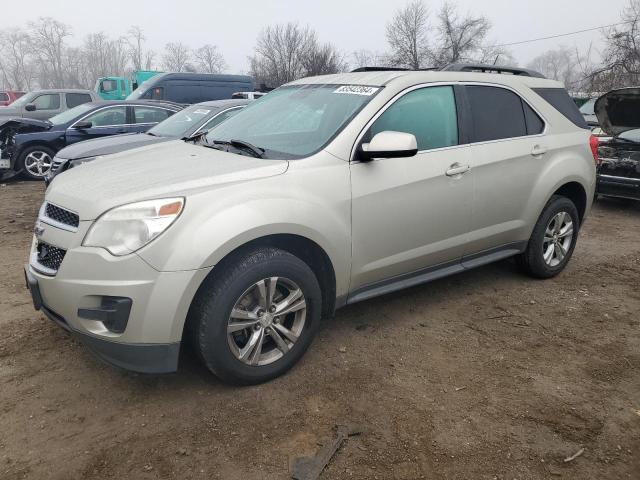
(70, 114)
(178, 124)
(587, 108)
(23, 100)
(631, 135)
(296, 121)
(137, 93)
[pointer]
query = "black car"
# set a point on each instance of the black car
(186, 124)
(28, 146)
(619, 171)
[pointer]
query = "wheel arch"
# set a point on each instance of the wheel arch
(575, 192)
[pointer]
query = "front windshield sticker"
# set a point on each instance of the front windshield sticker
(201, 111)
(357, 90)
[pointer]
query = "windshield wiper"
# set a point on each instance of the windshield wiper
(195, 137)
(241, 144)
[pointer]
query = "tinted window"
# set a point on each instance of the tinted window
(496, 113)
(47, 102)
(428, 113)
(535, 125)
(151, 114)
(561, 101)
(75, 99)
(108, 116)
(155, 93)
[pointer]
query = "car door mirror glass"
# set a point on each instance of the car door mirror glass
(82, 125)
(30, 107)
(389, 144)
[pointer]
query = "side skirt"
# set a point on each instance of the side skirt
(435, 272)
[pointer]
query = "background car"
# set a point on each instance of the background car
(187, 123)
(44, 104)
(28, 146)
(7, 97)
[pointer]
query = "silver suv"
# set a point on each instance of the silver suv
(325, 192)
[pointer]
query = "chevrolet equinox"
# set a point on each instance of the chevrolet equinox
(327, 191)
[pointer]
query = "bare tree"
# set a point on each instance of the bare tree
(209, 59)
(460, 39)
(621, 57)
(48, 41)
(407, 35)
(176, 57)
(322, 60)
(16, 61)
(368, 58)
(280, 53)
(140, 59)
(559, 64)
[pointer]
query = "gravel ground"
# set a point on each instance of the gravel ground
(484, 375)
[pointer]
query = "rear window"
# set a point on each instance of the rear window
(561, 101)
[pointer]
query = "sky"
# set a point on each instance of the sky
(350, 25)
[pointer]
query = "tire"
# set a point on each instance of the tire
(552, 233)
(35, 162)
(237, 288)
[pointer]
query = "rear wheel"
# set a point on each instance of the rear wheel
(255, 319)
(553, 239)
(35, 162)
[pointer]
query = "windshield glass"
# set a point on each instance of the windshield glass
(178, 124)
(587, 108)
(23, 100)
(70, 114)
(631, 135)
(296, 121)
(137, 93)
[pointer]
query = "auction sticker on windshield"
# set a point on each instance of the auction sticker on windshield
(357, 90)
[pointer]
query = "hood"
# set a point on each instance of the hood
(619, 110)
(173, 168)
(108, 145)
(24, 125)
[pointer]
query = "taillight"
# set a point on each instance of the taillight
(593, 144)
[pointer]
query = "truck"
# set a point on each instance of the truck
(119, 88)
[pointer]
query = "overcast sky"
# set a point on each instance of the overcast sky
(350, 24)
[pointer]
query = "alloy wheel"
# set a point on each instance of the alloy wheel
(38, 163)
(266, 321)
(557, 239)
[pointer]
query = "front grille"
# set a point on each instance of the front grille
(49, 256)
(61, 215)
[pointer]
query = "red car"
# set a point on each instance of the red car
(9, 96)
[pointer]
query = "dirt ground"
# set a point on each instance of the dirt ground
(485, 375)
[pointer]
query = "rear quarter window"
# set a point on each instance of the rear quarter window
(559, 99)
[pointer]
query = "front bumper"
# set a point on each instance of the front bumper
(615, 186)
(159, 303)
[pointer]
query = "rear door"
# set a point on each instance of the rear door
(508, 148)
(105, 121)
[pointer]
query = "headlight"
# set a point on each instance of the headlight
(128, 228)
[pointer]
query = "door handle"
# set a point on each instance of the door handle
(538, 150)
(457, 169)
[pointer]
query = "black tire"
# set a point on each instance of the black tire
(532, 260)
(20, 163)
(211, 309)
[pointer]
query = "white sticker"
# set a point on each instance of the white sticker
(357, 90)
(201, 111)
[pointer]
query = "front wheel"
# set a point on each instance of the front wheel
(553, 239)
(254, 319)
(35, 162)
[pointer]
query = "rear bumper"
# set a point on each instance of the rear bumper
(614, 186)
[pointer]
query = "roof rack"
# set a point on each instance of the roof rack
(471, 67)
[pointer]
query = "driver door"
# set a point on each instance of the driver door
(106, 121)
(412, 214)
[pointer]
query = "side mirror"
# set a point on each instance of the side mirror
(82, 125)
(30, 107)
(389, 144)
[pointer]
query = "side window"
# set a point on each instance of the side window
(4, 97)
(151, 114)
(220, 118)
(428, 113)
(561, 101)
(108, 86)
(108, 117)
(155, 93)
(496, 113)
(75, 99)
(535, 125)
(50, 101)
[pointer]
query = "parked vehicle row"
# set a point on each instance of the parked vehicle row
(327, 191)
(9, 96)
